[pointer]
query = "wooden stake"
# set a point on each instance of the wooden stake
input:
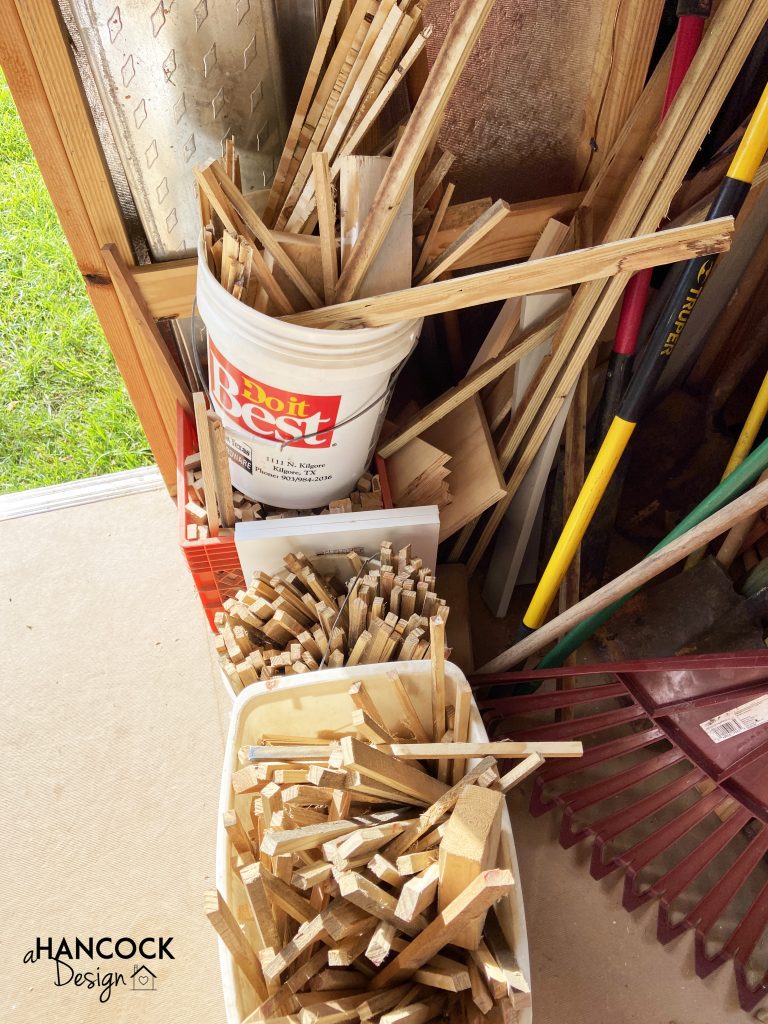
(326, 220)
(423, 123)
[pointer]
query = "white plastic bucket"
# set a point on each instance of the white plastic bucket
(301, 407)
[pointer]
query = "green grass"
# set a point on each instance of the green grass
(64, 412)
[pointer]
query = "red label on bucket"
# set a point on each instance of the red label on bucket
(307, 421)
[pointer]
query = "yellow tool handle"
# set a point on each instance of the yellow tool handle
(753, 145)
(611, 450)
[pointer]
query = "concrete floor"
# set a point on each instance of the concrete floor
(110, 758)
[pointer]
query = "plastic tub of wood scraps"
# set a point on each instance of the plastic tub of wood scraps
(318, 704)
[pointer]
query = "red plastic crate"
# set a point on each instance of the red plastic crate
(213, 562)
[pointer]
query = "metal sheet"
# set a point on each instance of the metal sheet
(176, 78)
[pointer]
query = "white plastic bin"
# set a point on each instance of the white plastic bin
(305, 706)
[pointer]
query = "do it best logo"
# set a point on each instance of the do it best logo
(306, 421)
(66, 956)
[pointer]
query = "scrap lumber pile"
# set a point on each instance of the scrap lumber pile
(374, 871)
(214, 506)
(304, 620)
(359, 272)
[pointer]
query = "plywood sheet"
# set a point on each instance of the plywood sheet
(476, 482)
(516, 118)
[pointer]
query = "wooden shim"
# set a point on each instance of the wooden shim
(481, 894)
(225, 923)
(424, 121)
(207, 461)
(418, 892)
(564, 270)
(503, 749)
(326, 219)
(650, 567)
(476, 480)
(389, 771)
(469, 847)
(449, 257)
(520, 771)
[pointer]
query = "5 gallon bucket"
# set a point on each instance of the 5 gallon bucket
(301, 407)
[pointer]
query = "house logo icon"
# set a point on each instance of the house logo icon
(142, 979)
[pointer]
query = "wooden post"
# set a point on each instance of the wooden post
(46, 90)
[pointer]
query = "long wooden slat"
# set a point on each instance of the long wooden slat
(713, 526)
(135, 310)
(612, 258)
(276, 193)
(722, 53)
(454, 53)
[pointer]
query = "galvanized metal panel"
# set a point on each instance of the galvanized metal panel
(176, 77)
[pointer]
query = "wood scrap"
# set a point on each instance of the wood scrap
(343, 920)
(298, 621)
